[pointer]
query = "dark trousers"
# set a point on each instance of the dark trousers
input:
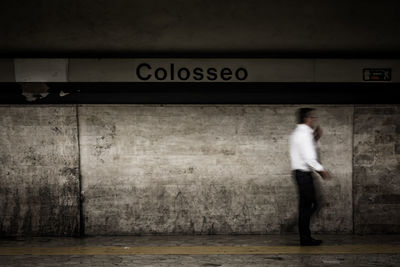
(307, 201)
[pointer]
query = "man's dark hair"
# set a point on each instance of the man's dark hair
(303, 113)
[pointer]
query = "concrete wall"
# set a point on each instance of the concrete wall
(173, 169)
(39, 170)
(377, 169)
(203, 169)
(132, 27)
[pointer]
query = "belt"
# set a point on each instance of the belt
(301, 171)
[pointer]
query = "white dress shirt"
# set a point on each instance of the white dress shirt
(303, 154)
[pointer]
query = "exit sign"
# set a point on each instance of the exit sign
(377, 74)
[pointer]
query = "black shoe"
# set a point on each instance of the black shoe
(310, 242)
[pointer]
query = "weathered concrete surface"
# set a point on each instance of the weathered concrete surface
(377, 169)
(205, 169)
(39, 160)
(154, 169)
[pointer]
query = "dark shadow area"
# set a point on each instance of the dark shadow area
(198, 93)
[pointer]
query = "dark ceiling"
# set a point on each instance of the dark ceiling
(153, 28)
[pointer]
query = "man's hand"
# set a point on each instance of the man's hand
(324, 174)
(317, 133)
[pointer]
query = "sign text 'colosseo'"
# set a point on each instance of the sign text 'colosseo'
(145, 72)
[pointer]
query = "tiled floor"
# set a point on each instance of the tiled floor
(214, 250)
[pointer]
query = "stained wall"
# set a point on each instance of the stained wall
(39, 171)
(377, 169)
(191, 169)
(205, 169)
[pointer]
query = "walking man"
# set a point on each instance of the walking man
(304, 160)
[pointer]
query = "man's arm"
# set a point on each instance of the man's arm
(324, 174)
(307, 152)
(317, 133)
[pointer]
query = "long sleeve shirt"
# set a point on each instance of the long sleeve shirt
(303, 154)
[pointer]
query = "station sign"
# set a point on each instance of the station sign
(377, 74)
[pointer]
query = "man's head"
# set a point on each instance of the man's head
(306, 116)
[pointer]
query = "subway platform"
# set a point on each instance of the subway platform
(201, 250)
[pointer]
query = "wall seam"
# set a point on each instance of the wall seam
(81, 197)
(352, 169)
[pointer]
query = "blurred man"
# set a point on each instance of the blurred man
(304, 160)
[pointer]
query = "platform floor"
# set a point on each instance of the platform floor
(213, 250)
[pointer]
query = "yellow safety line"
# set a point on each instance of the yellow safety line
(201, 250)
